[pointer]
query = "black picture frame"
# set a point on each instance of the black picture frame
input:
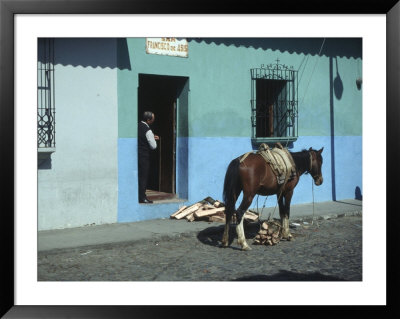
(8, 10)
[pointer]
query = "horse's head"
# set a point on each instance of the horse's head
(316, 165)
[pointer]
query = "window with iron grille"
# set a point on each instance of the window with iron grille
(45, 97)
(274, 103)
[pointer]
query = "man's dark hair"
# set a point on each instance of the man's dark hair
(147, 116)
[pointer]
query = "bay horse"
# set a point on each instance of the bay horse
(255, 176)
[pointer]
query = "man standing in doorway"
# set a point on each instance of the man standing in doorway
(146, 143)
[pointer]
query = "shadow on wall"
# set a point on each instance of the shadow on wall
(44, 163)
(358, 194)
(124, 62)
(338, 83)
(92, 52)
(336, 91)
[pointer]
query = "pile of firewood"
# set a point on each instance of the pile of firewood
(209, 210)
(269, 234)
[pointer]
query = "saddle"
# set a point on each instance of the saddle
(279, 159)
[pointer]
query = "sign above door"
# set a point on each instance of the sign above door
(167, 46)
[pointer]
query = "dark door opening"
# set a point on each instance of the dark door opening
(159, 94)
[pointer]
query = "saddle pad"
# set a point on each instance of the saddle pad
(281, 163)
(279, 159)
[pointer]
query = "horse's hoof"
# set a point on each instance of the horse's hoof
(246, 248)
(288, 237)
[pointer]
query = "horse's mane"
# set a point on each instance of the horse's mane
(302, 160)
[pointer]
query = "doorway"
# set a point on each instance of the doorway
(162, 95)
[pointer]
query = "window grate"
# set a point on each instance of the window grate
(274, 102)
(45, 98)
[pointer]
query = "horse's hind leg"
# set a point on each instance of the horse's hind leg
(245, 204)
(228, 217)
(284, 213)
(225, 236)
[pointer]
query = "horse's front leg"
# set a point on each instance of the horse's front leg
(245, 204)
(240, 231)
(284, 213)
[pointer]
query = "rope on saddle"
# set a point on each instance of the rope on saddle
(244, 156)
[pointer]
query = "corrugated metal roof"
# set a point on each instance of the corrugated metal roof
(333, 47)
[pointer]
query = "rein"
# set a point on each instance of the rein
(312, 187)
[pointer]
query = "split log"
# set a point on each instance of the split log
(178, 211)
(188, 210)
(206, 207)
(216, 218)
(264, 225)
(234, 218)
(274, 241)
(209, 200)
(250, 216)
(269, 234)
(208, 212)
(190, 217)
(220, 214)
(218, 204)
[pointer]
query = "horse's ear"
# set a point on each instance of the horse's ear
(320, 151)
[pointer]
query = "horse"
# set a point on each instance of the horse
(255, 176)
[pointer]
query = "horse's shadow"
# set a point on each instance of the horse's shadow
(212, 236)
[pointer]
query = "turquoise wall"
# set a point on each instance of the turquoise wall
(219, 128)
(220, 85)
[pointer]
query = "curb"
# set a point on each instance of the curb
(329, 216)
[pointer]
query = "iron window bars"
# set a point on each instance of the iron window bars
(274, 103)
(45, 103)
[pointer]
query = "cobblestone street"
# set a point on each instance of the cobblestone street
(327, 250)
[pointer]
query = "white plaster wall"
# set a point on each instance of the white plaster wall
(81, 187)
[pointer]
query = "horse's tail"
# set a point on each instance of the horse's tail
(232, 188)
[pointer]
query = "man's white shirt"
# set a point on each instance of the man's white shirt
(150, 138)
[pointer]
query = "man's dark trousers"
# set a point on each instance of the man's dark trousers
(144, 166)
